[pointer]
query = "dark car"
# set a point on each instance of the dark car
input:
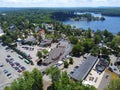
(12, 64)
(8, 56)
(17, 64)
(16, 68)
(1, 65)
(7, 48)
(23, 68)
(19, 70)
(8, 74)
(5, 71)
(7, 60)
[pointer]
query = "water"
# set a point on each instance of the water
(112, 24)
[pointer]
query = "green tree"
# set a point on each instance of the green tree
(97, 39)
(95, 51)
(88, 33)
(71, 60)
(54, 74)
(66, 64)
(28, 81)
(87, 44)
(73, 39)
(39, 54)
(45, 52)
(38, 82)
(118, 33)
(77, 50)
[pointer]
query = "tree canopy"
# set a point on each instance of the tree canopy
(28, 81)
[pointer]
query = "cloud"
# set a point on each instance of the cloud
(58, 3)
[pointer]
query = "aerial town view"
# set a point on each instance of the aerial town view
(59, 45)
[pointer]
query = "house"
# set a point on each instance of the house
(63, 44)
(56, 53)
(12, 28)
(37, 29)
(46, 42)
(30, 39)
(54, 56)
(42, 33)
(1, 32)
(83, 70)
(49, 26)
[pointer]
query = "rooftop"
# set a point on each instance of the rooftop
(82, 71)
(54, 55)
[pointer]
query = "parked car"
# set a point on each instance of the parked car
(1, 65)
(5, 71)
(19, 70)
(7, 60)
(8, 74)
(17, 64)
(23, 68)
(16, 68)
(8, 56)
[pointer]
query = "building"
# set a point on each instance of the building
(49, 26)
(30, 39)
(42, 33)
(63, 44)
(12, 28)
(53, 56)
(83, 70)
(46, 42)
(56, 53)
(1, 32)
(37, 29)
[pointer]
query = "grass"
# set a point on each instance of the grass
(113, 75)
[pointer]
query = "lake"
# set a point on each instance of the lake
(112, 24)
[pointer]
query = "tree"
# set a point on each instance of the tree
(118, 33)
(87, 44)
(77, 50)
(95, 51)
(73, 39)
(88, 33)
(71, 60)
(114, 85)
(54, 74)
(38, 82)
(28, 81)
(39, 54)
(97, 39)
(66, 64)
(45, 52)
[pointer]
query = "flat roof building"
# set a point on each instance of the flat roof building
(82, 71)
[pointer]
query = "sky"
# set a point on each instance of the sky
(59, 3)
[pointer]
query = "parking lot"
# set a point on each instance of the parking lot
(32, 50)
(11, 65)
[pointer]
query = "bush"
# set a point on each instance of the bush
(66, 64)
(71, 60)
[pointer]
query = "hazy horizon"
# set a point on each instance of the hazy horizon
(61, 3)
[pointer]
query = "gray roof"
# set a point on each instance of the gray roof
(63, 43)
(46, 42)
(54, 55)
(37, 29)
(30, 39)
(83, 70)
